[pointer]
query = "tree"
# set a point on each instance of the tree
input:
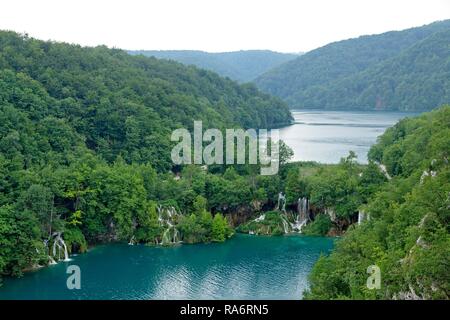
(199, 205)
(220, 229)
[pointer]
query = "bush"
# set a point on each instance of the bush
(319, 227)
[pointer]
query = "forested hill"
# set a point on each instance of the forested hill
(407, 233)
(55, 96)
(399, 70)
(242, 66)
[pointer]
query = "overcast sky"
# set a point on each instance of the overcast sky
(214, 25)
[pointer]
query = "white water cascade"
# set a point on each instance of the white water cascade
(286, 225)
(281, 206)
(260, 218)
(166, 218)
(330, 212)
(362, 216)
(302, 216)
(132, 241)
(281, 202)
(51, 261)
(58, 246)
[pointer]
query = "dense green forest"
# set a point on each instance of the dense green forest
(85, 153)
(85, 149)
(406, 232)
(242, 66)
(401, 70)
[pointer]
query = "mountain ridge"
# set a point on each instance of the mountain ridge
(310, 80)
(242, 66)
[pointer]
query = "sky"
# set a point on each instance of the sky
(214, 25)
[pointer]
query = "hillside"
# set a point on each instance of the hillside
(114, 103)
(400, 70)
(406, 233)
(85, 150)
(242, 66)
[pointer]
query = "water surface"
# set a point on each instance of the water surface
(245, 267)
(327, 136)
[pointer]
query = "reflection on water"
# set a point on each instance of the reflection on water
(326, 136)
(245, 267)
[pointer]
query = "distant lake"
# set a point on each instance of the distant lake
(244, 267)
(326, 136)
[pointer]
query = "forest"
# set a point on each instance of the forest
(85, 149)
(85, 155)
(242, 66)
(406, 232)
(405, 70)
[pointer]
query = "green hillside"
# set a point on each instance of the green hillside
(407, 231)
(400, 70)
(113, 103)
(85, 148)
(242, 66)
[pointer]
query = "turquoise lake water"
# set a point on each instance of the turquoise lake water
(244, 267)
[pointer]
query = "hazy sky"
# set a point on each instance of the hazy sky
(214, 25)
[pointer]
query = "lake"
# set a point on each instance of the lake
(326, 136)
(244, 267)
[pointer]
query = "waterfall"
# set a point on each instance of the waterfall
(302, 216)
(286, 224)
(170, 236)
(132, 241)
(281, 202)
(361, 216)
(260, 218)
(175, 235)
(330, 212)
(165, 238)
(58, 246)
(51, 261)
(160, 218)
(384, 171)
(166, 217)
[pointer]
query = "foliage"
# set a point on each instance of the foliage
(407, 235)
(402, 70)
(85, 147)
(319, 227)
(272, 224)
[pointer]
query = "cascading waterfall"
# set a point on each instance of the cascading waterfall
(58, 246)
(286, 224)
(362, 216)
(330, 212)
(281, 206)
(170, 236)
(260, 218)
(302, 216)
(281, 202)
(51, 261)
(132, 241)
(160, 218)
(166, 216)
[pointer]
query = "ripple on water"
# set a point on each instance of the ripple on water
(245, 267)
